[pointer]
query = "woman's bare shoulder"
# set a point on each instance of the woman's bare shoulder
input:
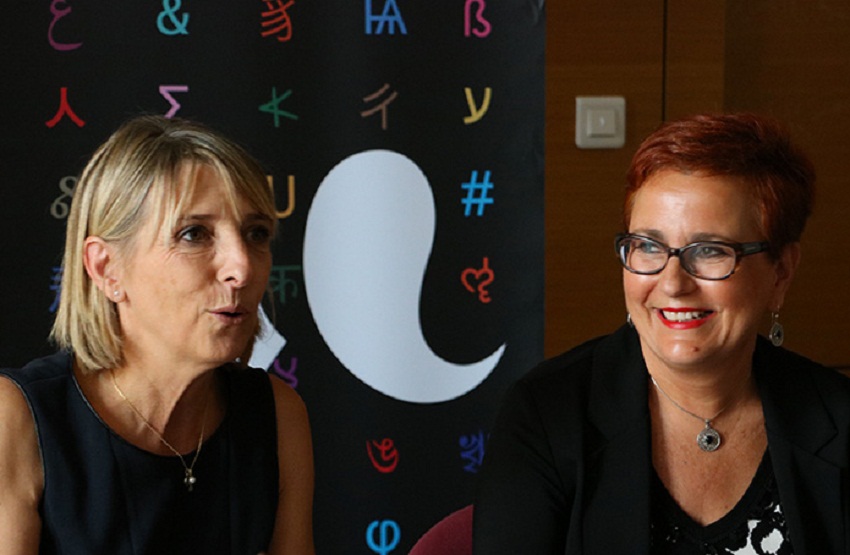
(293, 523)
(21, 475)
(14, 409)
(288, 402)
(18, 439)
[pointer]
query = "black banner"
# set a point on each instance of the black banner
(404, 143)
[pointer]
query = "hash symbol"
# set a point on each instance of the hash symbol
(482, 189)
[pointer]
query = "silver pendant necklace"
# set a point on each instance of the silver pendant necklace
(708, 439)
(189, 479)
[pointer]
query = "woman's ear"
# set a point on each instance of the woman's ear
(99, 260)
(785, 267)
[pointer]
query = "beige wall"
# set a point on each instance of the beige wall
(788, 58)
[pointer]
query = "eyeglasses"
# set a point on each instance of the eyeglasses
(712, 260)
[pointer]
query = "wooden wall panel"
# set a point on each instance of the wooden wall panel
(792, 59)
(594, 47)
(694, 57)
(676, 57)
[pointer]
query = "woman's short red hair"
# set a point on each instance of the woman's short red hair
(754, 148)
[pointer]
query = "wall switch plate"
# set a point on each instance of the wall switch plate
(600, 121)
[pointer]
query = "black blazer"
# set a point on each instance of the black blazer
(568, 467)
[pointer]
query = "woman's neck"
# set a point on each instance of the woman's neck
(705, 391)
(177, 405)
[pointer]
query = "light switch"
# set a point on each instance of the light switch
(600, 121)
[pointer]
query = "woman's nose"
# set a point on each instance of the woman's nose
(674, 280)
(236, 263)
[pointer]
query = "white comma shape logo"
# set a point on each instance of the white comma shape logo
(367, 242)
(268, 344)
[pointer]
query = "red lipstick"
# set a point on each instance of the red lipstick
(683, 318)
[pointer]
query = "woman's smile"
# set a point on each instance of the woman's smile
(684, 318)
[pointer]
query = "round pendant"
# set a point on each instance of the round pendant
(708, 439)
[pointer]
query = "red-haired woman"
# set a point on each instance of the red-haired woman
(685, 431)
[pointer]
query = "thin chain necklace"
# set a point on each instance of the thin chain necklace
(189, 479)
(708, 439)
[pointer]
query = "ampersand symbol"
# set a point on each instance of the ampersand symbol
(383, 545)
(60, 207)
(485, 277)
(170, 9)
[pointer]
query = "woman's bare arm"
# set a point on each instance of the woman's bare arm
(21, 474)
(293, 530)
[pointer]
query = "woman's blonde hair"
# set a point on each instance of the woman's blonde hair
(134, 175)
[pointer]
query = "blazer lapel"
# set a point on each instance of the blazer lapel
(619, 463)
(805, 448)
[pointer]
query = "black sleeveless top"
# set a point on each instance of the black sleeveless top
(103, 495)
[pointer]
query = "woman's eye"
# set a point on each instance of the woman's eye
(193, 234)
(259, 235)
(711, 251)
(646, 247)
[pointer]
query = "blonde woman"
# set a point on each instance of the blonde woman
(146, 433)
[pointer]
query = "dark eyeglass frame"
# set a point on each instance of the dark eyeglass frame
(741, 250)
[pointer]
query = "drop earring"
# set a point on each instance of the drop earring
(629, 320)
(777, 332)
